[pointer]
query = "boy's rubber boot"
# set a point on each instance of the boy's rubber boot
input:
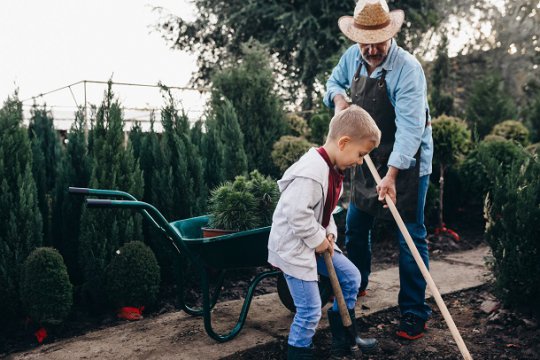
(298, 353)
(340, 339)
(366, 345)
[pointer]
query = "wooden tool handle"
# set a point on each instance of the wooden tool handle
(423, 269)
(343, 311)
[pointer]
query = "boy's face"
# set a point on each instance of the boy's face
(352, 152)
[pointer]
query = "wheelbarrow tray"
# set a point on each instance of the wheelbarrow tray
(247, 248)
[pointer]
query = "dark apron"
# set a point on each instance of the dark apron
(372, 96)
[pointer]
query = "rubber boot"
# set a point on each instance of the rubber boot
(366, 345)
(298, 353)
(341, 344)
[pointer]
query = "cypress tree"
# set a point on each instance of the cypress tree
(48, 157)
(213, 153)
(234, 156)
(76, 170)
(114, 167)
(249, 84)
(488, 105)
(180, 189)
(441, 102)
(20, 219)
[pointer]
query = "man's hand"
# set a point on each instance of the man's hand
(340, 103)
(387, 186)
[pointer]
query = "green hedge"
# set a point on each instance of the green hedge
(46, 293)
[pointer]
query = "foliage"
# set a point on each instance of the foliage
(114, 167)
(245, 203)
(20, 219)
(178, 187)
(46, 293)
(512, 130)
(133, 276)
(488, 104)
(452, 140)
(234, 161)
(288, 150)
(76, 170)
(477, 171)
(297, 126)
(441, 102)
(512, 209)
(249, 86)
(319, 124)
(233, 207)
(532, 114)
(47, 156)
(266, 193)
(303, 35)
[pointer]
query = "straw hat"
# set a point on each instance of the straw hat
(372, 22)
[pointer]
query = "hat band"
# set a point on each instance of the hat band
(372, 27)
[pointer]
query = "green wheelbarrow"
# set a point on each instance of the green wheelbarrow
(240, 250)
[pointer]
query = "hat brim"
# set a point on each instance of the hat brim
(363, 36)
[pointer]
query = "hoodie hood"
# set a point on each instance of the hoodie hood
(308, 166)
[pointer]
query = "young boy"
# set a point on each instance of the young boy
(303, 226)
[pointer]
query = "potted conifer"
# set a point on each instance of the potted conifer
(243, 204)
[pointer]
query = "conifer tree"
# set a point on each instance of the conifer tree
(76, 170)
(213, 153)
(249, 84)
(488, 105)
(20, 219)
(234, 157)
(48, 157)
(114, 167)
(180, 189)
(441, 102)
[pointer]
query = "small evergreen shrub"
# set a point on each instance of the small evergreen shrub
(479, 168)
(288, 150)
(512, 130)
(245, 203)
(297, 125)
(319, 126)
(512, 212)
(46, 293)
(133, 276)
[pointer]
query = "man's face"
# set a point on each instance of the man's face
(375, 54)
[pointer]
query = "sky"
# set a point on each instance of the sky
(48, 44)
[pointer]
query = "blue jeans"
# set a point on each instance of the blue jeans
(412, 292)
(308, 301)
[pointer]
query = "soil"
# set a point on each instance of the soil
(19, 337)
(501, 334)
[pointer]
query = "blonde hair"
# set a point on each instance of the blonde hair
(356, 123)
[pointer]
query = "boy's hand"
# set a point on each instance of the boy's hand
(330, 238)
(323, 246)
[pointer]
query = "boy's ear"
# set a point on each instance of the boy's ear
(344, 140)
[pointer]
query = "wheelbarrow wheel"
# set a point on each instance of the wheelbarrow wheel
(325, 290)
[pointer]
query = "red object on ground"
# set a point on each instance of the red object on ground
(41, 334)
(130, 313)
(444, 230)
(362, 293)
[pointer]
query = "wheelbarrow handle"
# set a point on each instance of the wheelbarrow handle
(100, 192)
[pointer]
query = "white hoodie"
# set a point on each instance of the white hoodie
(296, 223)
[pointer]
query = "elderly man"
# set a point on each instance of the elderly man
(389, 83)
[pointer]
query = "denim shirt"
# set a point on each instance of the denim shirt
(407, 91)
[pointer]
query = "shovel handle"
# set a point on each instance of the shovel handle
(423, 269)
(345, 317)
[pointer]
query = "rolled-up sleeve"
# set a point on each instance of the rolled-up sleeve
(299, 201)
(339, 81)
(410, 116)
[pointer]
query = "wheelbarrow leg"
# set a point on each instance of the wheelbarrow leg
(243, 313)
(181, 293)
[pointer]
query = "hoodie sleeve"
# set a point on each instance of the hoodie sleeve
(299, 199)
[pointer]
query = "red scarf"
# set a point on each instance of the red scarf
(335, 181)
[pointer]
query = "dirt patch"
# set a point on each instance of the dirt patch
(501, 334)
